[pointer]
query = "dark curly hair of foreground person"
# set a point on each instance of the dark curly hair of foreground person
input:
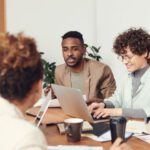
(20, 66)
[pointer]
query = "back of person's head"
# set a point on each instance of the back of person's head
(74, 34)
(138, 40)
(20, 66)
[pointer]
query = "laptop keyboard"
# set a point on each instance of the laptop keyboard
(100, 128)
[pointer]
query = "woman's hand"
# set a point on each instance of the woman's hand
(98, 111)
(105, 112)
(94, 106)
(47, 89)
(148, 127)
(118, 145)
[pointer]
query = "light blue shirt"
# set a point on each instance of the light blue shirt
(133, 106)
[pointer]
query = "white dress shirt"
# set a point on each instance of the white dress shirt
(15, 132)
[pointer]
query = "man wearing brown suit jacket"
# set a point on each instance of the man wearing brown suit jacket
(93, 78)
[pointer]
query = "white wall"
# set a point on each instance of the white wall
(48, 20)
(99, 21)
(114, 17)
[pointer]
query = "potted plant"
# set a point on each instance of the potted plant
(49, 70)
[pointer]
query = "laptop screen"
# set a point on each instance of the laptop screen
(72, 102)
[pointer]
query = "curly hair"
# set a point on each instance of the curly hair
(20, 66)
(138, 40)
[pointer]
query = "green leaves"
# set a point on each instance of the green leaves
(92, 52)
(49, 72)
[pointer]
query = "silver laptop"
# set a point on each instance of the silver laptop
(43, 109)
(73, 104)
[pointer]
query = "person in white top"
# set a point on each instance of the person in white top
(21, 74)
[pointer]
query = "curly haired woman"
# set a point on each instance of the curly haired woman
(133, 98)
(21, 74)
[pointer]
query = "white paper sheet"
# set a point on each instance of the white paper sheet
(136, 126)
(145, 138)
(74, 147)
(104, 137)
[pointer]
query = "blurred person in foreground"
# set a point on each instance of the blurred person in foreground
(21, 74)
(133, 98)
(92, 77)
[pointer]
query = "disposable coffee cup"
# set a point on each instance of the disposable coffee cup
(117, 128)
(73, 129)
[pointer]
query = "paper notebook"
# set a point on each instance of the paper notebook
(136, 126)
(105, 137)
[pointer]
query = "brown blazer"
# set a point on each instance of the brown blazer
(99, 81)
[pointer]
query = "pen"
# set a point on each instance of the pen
(145, 133)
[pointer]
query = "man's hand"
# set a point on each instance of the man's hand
(47, 89)
(118, 145)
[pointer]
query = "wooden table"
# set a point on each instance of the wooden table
(55, 115)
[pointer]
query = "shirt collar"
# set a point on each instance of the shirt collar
(140, 72)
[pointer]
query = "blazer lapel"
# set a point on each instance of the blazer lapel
(87, 78)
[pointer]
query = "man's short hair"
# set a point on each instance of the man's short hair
(138, 40)
(74, 34)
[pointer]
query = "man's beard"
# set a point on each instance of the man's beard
(77, 62)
